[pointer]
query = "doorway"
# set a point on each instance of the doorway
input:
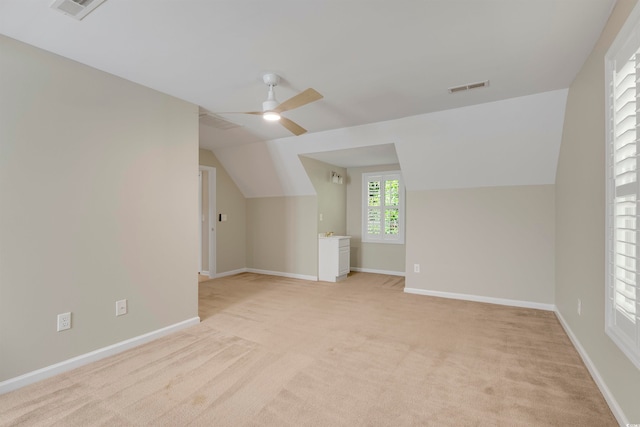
(207, 221)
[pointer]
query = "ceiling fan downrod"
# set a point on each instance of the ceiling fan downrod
(269, 106)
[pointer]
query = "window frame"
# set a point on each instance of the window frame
(626, 44)
(397, 239)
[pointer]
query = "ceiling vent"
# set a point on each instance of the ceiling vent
(210, 119)
(77, 9)
(469, 86)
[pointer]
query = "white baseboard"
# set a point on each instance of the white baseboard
(595, 374)
(477, 298)
(229, 273)
(76, 362)
(283, 274)
(205, 273)
(302, 276)
(370, 270)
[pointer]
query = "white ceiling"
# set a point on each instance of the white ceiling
(372, 60)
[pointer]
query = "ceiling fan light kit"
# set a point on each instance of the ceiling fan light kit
(271, 116)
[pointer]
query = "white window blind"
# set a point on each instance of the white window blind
(623, 290)
(383, 207)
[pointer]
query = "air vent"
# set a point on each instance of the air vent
(210, 119)
(77, 9)
(469, 86)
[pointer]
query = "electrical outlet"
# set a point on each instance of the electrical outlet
(321, 217)
(64, 321)
(579, 307)
(416, 268)
(121, 307)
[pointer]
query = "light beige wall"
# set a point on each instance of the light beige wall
(493, 242)
(281, 234)
(580, 222)
(231, 234)
(332, 198)
(373, 256)
(98, 187)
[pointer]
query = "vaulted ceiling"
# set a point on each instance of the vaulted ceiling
(373, 60)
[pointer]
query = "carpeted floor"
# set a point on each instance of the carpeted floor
(272, 351)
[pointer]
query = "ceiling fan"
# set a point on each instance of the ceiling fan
(272, 109)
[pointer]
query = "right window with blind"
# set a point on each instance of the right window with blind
(383, 207)
(622, 298)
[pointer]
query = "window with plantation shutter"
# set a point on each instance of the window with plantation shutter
(622, 191)
(383, 207)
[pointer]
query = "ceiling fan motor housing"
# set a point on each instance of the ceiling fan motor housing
(270, 104)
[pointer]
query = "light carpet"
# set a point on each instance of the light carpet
(273, 351)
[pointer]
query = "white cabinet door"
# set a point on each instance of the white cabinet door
(334, 258)
(343, 261)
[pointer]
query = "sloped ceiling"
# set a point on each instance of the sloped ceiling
(510, 142)
(379, 64)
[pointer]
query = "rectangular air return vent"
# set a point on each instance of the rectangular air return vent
(210, 119)
(469, 86)
(77, 9)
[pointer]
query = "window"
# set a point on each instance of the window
(383, 207)
(622, 191)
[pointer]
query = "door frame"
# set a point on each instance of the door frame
(211, 173)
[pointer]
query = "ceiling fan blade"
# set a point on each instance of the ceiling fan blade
(292, 126)
(303, 98)
(259, 113)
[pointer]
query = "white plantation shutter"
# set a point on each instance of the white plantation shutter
(383, 207)
(623, 287)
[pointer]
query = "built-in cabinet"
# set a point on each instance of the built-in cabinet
(334, 258)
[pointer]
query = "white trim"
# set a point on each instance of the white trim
(622, 344)
(212, 216)
(626, 44)
(213, 235)
(229, 273)
(75, 362)
(478, 298)
(301, 276)
(595, 374)
(371, 270)
(267, 273)
(205, 273)
(200, 220)
(383, 176)
(283, 274)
